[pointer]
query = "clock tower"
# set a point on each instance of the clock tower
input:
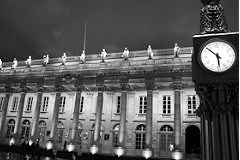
(215, 69)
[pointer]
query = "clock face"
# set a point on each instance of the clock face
(217, 56)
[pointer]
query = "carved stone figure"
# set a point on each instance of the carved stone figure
(15, 63)
(212, 19)
(45, 59)
(64, 58)
(103, 55)
(150, 53)
(82, 57)
(125, 54)
(176, 50)
(29, 61)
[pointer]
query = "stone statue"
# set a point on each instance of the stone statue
(45, 59)
(212, 19)
(29, 61)
(15, 63)
(125, 54)
(176, 50)
(1, 64)
(103, 55)
(82, 57)
(64, 58)
(150, 53)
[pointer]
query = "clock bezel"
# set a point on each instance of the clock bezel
(211, 41)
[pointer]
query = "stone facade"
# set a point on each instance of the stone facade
(106, 103)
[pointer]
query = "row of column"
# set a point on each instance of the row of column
(96, 137)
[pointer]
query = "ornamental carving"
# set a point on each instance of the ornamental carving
(58, 84)
(212, 19)
(149, 82)
(217, 98)
(100, 82)
(177, 85)
(124, 83)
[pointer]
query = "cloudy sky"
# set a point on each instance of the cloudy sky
(38, 27)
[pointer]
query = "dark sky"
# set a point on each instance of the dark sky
(38, 27)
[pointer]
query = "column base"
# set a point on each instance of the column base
(147, 153)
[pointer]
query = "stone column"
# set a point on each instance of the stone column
(76, 117)
(219, 102)
(122, 127)
(177, 85)
(98, 119)
(37, 114)
(17, 129)
(3, 117)
(55, 116)
(149, 115)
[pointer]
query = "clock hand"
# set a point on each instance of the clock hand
(211, 51)
(218, 57)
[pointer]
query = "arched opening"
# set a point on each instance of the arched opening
(10, 128)
(166, 138)
(140, 140)
(25, 129)
(192, 140)
(42, 127)
(115, 134)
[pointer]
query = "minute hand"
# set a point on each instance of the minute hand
(217, 56)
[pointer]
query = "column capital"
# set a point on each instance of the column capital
(124, 83)
(217, 98)
(177, 84)
(149, 83)
(40, 88)
(24, 88)
(58, 84)
(100, 82)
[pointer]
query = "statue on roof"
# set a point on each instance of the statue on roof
(125, 54)
(45, 59)
(103, 55)
(29, 61)
(1, 64)
(82, 57)
(176, 50)
(212, 19)
(150, 52)
(15, 63)
(64, 58)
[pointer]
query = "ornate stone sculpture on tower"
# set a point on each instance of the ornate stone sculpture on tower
(15, 63)
(176, 50)
(64, 58)
(212, 17)
(150, 52)
(45, 60)
(82, 57)
(1, 66)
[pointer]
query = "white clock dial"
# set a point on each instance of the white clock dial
(217, 56)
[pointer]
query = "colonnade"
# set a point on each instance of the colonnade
(150, 86)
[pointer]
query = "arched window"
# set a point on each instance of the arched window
(166, 137)
(93, 130)
(115, 135)
(60, 129)
(42, 126)
(10, 128)
(25, 128)
(140, 137)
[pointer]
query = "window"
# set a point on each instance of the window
(143, 105)
(115, 135)
(45, 104)
(29, 104)
(62, 104)
(25, 128)
(1, 102)
(81, 105)
(14, 104)
(166, 137)
(166, 104)
(140, 137)
(118, 104)
(191, 104)
(42, 127)
(10, 128)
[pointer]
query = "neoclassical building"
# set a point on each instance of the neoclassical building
(135, 102)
